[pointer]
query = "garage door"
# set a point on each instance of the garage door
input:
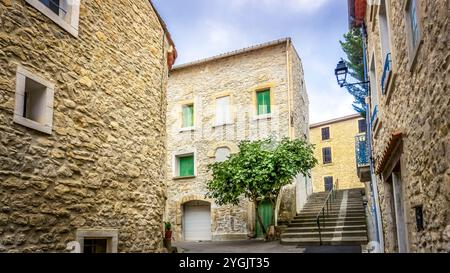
(197, 221)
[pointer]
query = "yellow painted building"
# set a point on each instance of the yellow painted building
(334, 142)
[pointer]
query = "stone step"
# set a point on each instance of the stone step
(329, 219)
(332, 210)
(325, 241)
(325, 234)
(322, 204)
(329, 215)
(328, 223)
(334, 206)
(326, 228)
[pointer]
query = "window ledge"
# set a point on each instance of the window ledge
(261, 117)
(183, 177)
(376, 127)
(187, 129)
(389, 86)
(223, 124)
(44, 128)
(327, 140)
(413, 56)
(72, 29)
(328, 164)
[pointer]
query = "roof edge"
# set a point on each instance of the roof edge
(335, 120)
(232, 53)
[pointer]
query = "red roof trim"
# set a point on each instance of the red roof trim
(393, 141)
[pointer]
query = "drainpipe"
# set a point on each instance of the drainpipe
(373, 183)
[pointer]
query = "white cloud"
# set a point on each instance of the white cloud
(217, 37)
(329, 103)
(301, 6)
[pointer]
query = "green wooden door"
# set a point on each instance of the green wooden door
(265, 210)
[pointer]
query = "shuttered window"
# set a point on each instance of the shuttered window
(186, 165)
(362, 125)
(328, 183)
(188, 115)
(326, 155)
(263, 102)
(223, 113)
(325, 133)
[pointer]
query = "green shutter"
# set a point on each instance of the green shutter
(186, 165)
(265, 210)
(263, 102)
(188, 115)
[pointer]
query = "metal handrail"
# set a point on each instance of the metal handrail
(327, 203)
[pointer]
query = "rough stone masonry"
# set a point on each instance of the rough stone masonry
(416, 104)
(102, 167)
(238, 74)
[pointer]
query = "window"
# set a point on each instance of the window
(263, 102)
(34, 101)
(53, 5)
(326, 155)
(64, 13)
(185, 165)
(97, 240)
(188, 116)
(222, 154)
(362, 125)
(328, 183)
(413, 23)
(223, 113)
(412, 29)
(386, 54)
(326, 133)
(373, 90)
(95, 245)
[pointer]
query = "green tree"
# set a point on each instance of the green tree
(259, 171)
(353, 48)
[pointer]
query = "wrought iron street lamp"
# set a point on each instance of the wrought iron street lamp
(341, 72)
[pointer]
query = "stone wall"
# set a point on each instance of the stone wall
(239, 76)
(104, 164)
(342, 144)
(290, 200)
(417, 105)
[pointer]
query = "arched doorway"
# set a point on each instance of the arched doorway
(197, 221)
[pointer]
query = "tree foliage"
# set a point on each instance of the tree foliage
(353, 48)
(259, 171)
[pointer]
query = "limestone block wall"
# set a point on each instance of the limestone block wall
(103, 166)
(294, 196)
(417, 104)
(238, 76)
(343, 165)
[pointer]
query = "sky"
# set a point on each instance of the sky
(204, 28)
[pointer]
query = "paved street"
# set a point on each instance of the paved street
(258, 246)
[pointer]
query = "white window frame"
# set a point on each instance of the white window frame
(412, 50)
(176, 163)
(111, 235)
(47, 124)
(189, 128)
(227, 119)
(68, 21)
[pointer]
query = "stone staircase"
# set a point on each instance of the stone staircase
(345, 223)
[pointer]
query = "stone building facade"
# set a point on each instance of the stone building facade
(252, 93)
(408, 55)
(82, 125)
(334, 142)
